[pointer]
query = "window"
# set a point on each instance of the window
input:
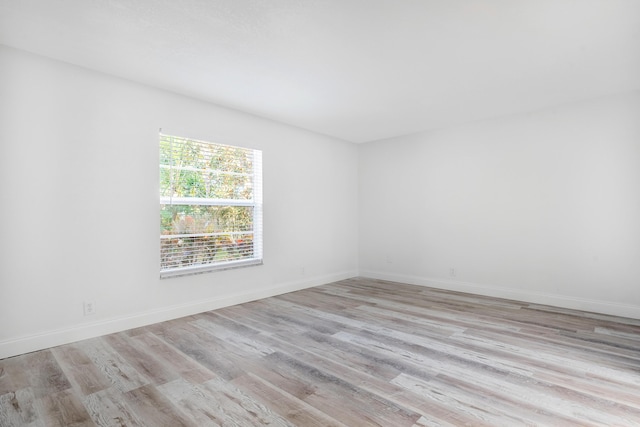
(210, 206)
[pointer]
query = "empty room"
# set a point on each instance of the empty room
(319, 213)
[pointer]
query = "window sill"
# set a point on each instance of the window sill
(201, 269)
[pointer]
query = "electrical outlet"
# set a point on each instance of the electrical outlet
(452, 272)
(89, 308)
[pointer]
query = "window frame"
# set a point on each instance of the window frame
(255, 203)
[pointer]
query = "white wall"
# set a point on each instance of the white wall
(79, 215)
(541, 207)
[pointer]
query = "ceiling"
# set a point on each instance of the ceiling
(358, 70)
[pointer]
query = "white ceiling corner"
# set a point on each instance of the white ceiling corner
(358, 70)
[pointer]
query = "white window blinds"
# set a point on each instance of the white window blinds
(210, 206)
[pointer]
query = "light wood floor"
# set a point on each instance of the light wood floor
(358, 352)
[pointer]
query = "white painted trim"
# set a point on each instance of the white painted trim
(556, 300)
(53, 338)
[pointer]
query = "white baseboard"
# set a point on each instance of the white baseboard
(563, 301)
(53, 338)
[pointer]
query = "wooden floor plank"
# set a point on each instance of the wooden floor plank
(112, 364)
(144, 362)
(110, 408)
(82, 373)
(156, 410)
(177, 361)
(358, 352)
(295, 411)
(198, 405)
(39, 371)
(64, 409)
(18, 409)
